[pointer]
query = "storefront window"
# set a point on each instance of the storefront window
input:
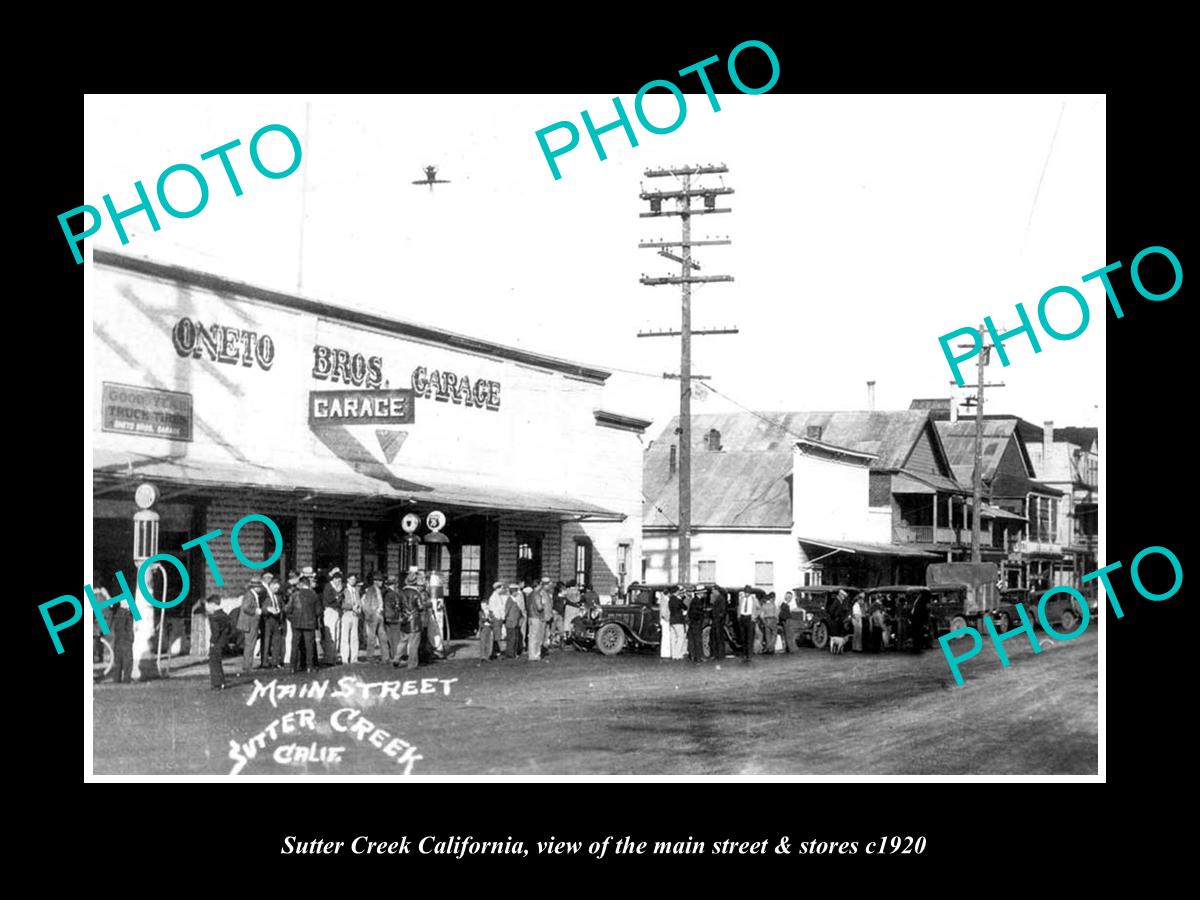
(472, 558)
(583, 562)
(707, 570)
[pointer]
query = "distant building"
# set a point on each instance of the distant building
(781, 499)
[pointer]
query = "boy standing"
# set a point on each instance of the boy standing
(221, 630)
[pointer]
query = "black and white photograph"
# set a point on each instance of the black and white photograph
(517, 436)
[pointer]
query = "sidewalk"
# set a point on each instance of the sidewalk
(195, 666)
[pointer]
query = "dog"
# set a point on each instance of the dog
(837, 644)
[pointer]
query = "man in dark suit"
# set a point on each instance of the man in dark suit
(919, 621)
(120, 630)
(248, 619)
(514, 617)
(720, 611)
(695, 625)
(271, 626)
(413, 621)
(331, 603)
(303, 612)
(220, 631)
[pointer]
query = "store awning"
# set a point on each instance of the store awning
(996, 512)
(382, 483)
(869, 548)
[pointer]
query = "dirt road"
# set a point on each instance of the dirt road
(582, 713)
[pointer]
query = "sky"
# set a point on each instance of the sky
(862, 228)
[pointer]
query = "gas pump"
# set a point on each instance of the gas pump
(145, 545)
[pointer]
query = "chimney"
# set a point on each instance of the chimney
(674, 462)
(1047, 436)
(871, 395)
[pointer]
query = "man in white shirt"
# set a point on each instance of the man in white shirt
(747, 613)
(856, 615)
(491, 630)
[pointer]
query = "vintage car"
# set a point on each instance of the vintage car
(809, 605)
(611, 628)
(1062, 610)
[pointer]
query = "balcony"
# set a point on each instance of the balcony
(926, 534)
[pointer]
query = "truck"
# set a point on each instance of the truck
(981, 596)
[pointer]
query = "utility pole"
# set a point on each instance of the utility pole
(685, 211)
(985, 351)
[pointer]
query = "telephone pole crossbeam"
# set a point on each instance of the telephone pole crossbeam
(684, 279)
(687, 170)
(680, 212)
(695, 332)
(653, 244)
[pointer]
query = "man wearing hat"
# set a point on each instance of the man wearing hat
(248, 621)
(372, 613)
(302, 610)
(271, 624)
(491, 629)
(289, 591)
(514, 617)
(545, 594)
(331, 601)
(393, 616)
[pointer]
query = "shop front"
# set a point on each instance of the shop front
(373, 444)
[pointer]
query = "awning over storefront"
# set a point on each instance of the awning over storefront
(869, 548)
(424, 487)
(996, 512)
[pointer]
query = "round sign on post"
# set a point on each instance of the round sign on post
(410, 523)
(436, 521)
(145, 495)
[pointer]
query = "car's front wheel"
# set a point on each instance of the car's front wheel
(610, 639)
(820, 635)
(1002, 622)
(1070, 620)
(958, 623)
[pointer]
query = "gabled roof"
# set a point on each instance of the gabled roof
(747, 483)
(959, 440)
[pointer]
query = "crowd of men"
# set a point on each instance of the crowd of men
(530, 619)
(403, 624)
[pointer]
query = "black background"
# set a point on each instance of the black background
(972, 829)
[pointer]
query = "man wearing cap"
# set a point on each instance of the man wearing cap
(492, 630)
(248, 621)
(677, 616)
(331, 601)
(271, 655)
(413, 622)
(514, 617)
(303, 612)
(535, 622)
(769, 615)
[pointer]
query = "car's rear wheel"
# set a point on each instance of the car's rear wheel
(957, 623)
(1069, 620)
(1002, 622)
(610, 639)
(820, 635)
